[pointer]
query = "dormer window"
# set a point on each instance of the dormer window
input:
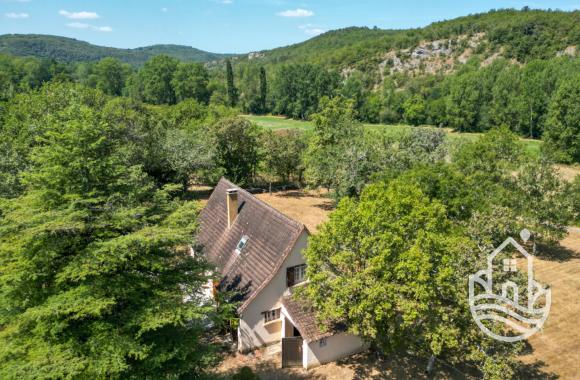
(241, 244)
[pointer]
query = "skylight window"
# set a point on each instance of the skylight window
(241, 244)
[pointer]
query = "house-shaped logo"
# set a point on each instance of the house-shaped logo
(508, 314)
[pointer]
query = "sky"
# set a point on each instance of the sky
(231, 26)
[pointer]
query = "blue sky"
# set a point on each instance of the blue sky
(230, 26)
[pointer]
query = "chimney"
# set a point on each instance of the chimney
(232, 203)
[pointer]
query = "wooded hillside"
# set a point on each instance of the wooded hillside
(65, 49)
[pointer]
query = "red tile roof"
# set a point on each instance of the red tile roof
(272, 235)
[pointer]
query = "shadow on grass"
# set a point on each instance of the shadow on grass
(556, 252)
(535, 371)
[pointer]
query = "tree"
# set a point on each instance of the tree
(263, 90)
(236, 141)
(188, 153)
(230, 85)
(299, 88)
(30, 109)
(111, 75)
(393, 268)
(542, 200)
(493, 154)
(353, 88)
(96, 280)
(190, 82)
(283, 151)
(562, 135)
(335, 145)
(464, 102)
(157, 76)
(414, 110)
(507, 107)
(537, 87)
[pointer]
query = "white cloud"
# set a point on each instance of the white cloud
(17, 15)
(81, 25)
(312, 30)
(83, 15)
(296, 13)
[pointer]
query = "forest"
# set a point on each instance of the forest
(97, 211)
(70, 50)
(517, 75)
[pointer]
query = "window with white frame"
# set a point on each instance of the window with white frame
(271, 315)
(295, 275)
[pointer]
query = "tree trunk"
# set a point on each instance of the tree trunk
(430, 365)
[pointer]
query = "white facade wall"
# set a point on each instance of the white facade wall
(252, 333)
(337, 347)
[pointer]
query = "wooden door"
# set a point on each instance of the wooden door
(292, 352)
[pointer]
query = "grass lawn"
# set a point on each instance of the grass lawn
(279, 122)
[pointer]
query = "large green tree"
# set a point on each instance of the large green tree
(156, 76)
(334, 147)
(299, 88)
(283, 153)
(190, 82)
(111, 76)
(95, 277)
(237, 154)
(232, 91)
(393, 268)
(562, 131)
(263, 90)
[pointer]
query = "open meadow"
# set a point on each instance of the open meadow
(281, 122)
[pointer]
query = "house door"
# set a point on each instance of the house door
(292, 352)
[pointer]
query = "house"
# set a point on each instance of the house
(258, 252)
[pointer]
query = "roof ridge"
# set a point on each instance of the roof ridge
(261, 202)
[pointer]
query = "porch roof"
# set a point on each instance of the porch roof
(304, 318)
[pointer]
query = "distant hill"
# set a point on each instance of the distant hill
(519, 35)
(65, 49)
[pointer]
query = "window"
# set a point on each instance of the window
(271, 315)
(509, 265)
(241, 244)
(322, 342)
(295, 275)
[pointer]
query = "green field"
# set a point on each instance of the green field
(280, 122)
